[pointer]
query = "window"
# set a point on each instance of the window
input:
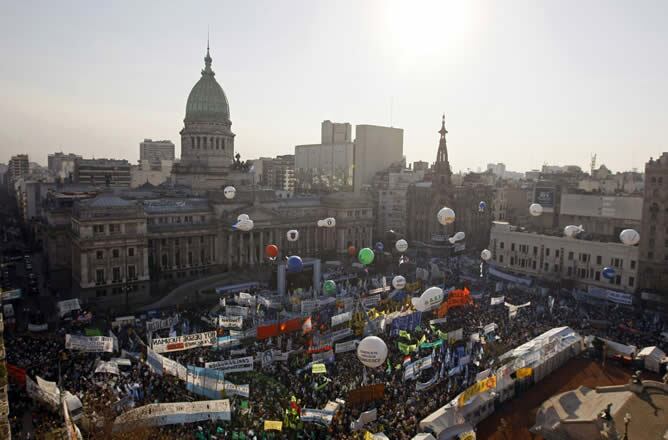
(132, 273)
(115, 253)
(633, 264)
(98, 229)
(116, 274)
(570, 271)
(618, 280)
(202, 218)
(176, 242)
(650, 255)
(500, 258)
(164, 260)
(201, 240)
(190, 240)
(163, 242)
(190, 258)
(597, 276)
(535, 250)
(547, 252)
(512, 246)
(632, 281)
(556, 268)
(599, 259)
(570, 257)
(201, 256)
(547, 267)
(131, 252)
(99, 255)
(99, 275)
(177, 258)
(501, 245)
(556, 253)
(114, 229)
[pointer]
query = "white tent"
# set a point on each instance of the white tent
(653, 356)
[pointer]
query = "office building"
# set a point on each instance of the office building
(376, 148)
(19, 166)
(156, 151)
(102, 172)
(62, 165)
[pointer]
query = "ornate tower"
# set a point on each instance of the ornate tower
(207, 138)
(442, 173)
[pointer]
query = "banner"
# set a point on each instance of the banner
(38, 327)
(160, 364)
(67, 306)
(122, 321)
(107, 367)
(316, 416)
(185, 342)
(512, 309)
(341, 318)
(318, 369)
(273, 425)
(325, 356)
(406, 348)
(211, 383)
(227, 341)
(420, 386)
(232, 365)
(9, 295)
(365, 394)
(245, 299)
(371, 301)
(230, 321)
(497, 300)
(238, 352)
(411, 371)
(489, 328)
(363, 419)
(344, 347)
(44, 391)
(236, 311)
(159, 324)
(162, 414)
(475, 389)
(89, 343)
(341, 334)
(438, 321)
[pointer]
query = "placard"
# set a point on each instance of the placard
(89, 343)
(232, 365)
(184, 342)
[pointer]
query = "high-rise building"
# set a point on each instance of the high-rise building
(102, 172)
(654, 233)
(376, 148)
(279, 172)
(19, 166)
(61, 165)
(327, 166)
(156, 151)
(336, 133)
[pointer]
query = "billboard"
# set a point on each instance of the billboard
(544, 196)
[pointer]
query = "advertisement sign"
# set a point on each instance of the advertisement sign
(544, 196)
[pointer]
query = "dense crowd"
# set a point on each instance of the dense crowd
(280, 386)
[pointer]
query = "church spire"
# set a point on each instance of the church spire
(442, 172)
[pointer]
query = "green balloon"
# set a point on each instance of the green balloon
(329, 287)
(365, 256)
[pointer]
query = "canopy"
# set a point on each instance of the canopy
(653, 356)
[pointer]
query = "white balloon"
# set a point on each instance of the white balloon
(330, 222)
(459, 236)
(486, 254)
(401, 245)
(245, 225)
(243, 217)
(629, 237)
(229, 192)
(399, 282)
(429, 299)
(372, 351)
(446, 216)
(535, 209)
(321, 223)
(571, 231)
(292, 235)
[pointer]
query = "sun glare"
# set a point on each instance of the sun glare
(423, 28)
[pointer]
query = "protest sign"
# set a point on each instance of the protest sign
(184, 342)
(89, 343)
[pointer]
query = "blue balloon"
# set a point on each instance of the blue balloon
(608, 272)
(482, 206)
(295, 264)
(380, 246)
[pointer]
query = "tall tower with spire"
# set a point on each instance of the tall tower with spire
(442, 172)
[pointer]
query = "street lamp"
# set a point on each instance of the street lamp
(627, 419)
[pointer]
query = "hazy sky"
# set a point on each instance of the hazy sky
(520, 82)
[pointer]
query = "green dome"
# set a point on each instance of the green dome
(207, 101)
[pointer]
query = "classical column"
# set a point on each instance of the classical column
(252, 249)
(228, 240)
(241, 247)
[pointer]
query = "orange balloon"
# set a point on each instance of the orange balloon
(271, 250)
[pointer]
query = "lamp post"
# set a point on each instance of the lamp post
(627, 419)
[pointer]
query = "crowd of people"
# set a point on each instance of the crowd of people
(280, 390)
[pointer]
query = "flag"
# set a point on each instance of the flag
(307, 326)
(404, 334)
(318, 369)
(389, 367)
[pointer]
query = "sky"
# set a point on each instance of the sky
(520, 82)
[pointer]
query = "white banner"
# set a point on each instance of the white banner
(107, 367)
(123, 320)
(230, 321)
(497, 300)
(489, 328)
(38, 327)
(67, 306)
(317, 416)
(323, 356)
(245, 299)
(341, 318)
(161, 414)
(160, 364)
(89, 343)
(363, 419)
(344, 347)
(44, 391)
(341, 334)
(348, 304)
(185, 342)
(236, 311)
(159, 324)
(232, 365)
(411, 371)
(371, 301)
(438, 321)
